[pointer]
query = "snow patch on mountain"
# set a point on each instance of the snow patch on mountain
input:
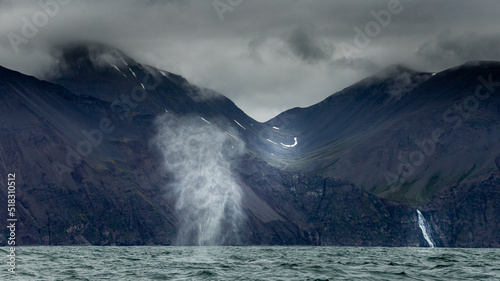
(133, 73)
(239, 124)
(290, 145)
(116, 67)
(271, 141)
(230, 135)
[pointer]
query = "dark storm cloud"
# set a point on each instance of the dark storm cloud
(306, 46)
(450, 48)
(265, 55)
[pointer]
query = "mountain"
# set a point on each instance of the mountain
(96, 158)
(401, 134)
(109, 75)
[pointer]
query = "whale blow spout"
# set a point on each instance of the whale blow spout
(199, 156)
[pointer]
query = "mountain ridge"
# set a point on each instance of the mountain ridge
(120, 193)
(386, 127)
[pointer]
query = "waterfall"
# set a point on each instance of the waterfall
(422, 223)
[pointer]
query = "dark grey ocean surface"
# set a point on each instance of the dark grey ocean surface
(252, 263)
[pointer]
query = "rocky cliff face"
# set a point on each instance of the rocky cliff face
(322, 211)
(87, 171)
(466, 215)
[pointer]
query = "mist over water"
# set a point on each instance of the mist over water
(199, 156)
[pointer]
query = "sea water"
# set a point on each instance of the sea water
(251, 263)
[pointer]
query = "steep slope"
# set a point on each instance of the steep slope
(69, 192)
(352, 110)
(138, 91)
(437, 131)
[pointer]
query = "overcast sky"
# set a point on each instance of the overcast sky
(267, 56)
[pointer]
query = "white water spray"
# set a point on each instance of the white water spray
(199, 156)
(422, 223)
